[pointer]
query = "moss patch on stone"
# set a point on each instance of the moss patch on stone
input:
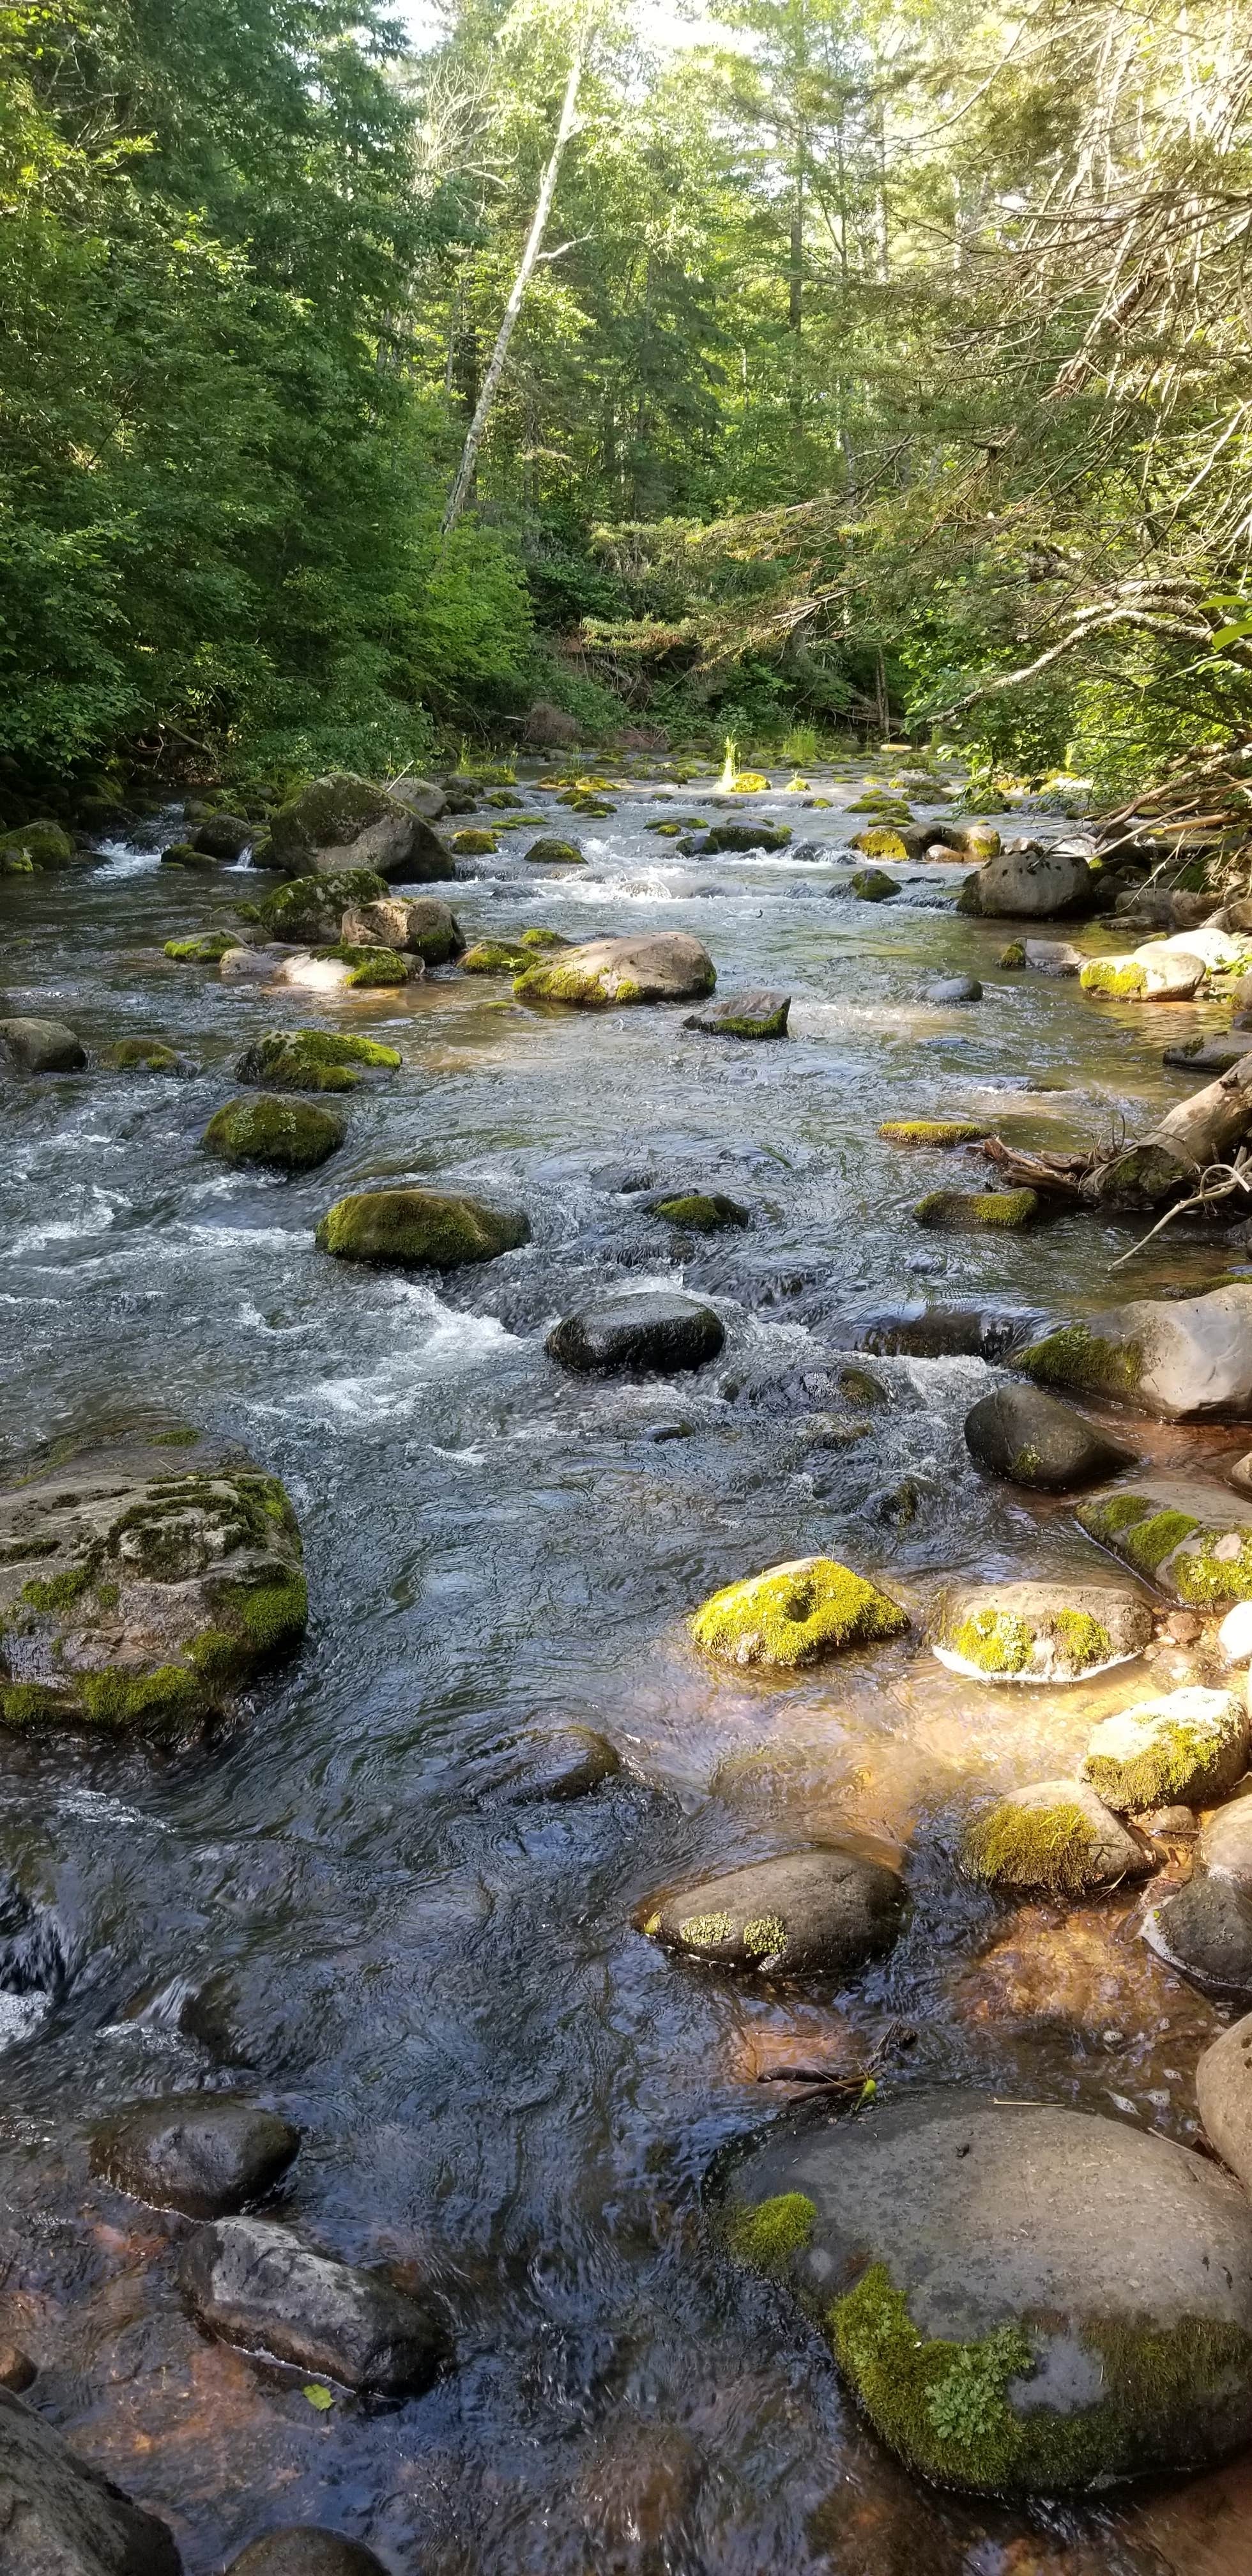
(307, 907)
(933, 1131)
(1013, 957)
(994, 1640)
(207, 951)
(1209, 1568)
(941, 2406)
(1076, 1357)
(494, 957)
(1083, 1640)
(475, 844)
(703, 1212)
(1120, 979)
(285, 1135)
(550, 851)
(313, 1060)
(952, 1211)
(142, 1055)
(766, 2234)
(796, 1614)
(370, 967)
(419, 1229)
(1053, 1848)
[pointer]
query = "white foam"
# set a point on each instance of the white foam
(452, 1343)
(96, 1213)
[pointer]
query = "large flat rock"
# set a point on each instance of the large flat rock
(59, 2517)
(1187, 1359)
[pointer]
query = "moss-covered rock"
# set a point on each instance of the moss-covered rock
(665, 966)
(184, 854)
(796, 1614)
(1037, 1632)
(419, 1229)
(206, 951)
(701, 1211)
(312, 908)
(342, 822)
(1021, 2299)
(475, 844)
(939, 1132)
(963, 1211)
(35, 846)
(551, 852)
(873, 885)
(881, 843)
(731, 838)
(134, 1594)
(1188, 1359)
(1054, 1838)
(1185, 1749)
(494, 957)
(1150, 974)
(145, 1055)
(365, 970)
(1194, 1543)
(285, 1135)
(314, 1060)
(749, 1016)
(1013, 957)
(825, 1911)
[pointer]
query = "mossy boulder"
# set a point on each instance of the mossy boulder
(1021, 2300)
(1055, 1838)
(419, 1229)
(1193, 1542)
(341, 967)
(1032, 1439)
(314, 1060)
(222, 835)
(701, 1211)
(1151, 974)
(494, 957)
(409, 925)
(1037, 1632)
(312, 908)
(1012, 958)
(1186, 1749)
(134, 1593)
(145, 1055)
(1030, 883)
(1187, 1359)
(284, 1135)
(475, 844)
(940, 1133)
(821, 1911)
(184, 854)
(974, 1211)
(882, 842)
(30, 847)
(208, 950)
(552, 852)
(40, 1046)
(747, 1016)
(732, 838)
(328, 813)
(605, 974)
(796, 1614)
(342, 822)
(873, 885)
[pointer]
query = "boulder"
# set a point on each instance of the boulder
(796, 1614)
(1205, 1931)
(208, 2157)
(666, 966)
(1185, 1359)
(284, 1135)
(59, 2517)
(344, 969)
(551, 852)
(563, 1762)
(640, 1333)
(873, 885)
(743, 1015)
(41, 1046)
(309, 910)
(261, 965)
(1051, 957)
(417, 926)
(1223, 2089)
(973, 1211)
(419, 1229)
(419, 796)
(1021, 2299)
(1194, 1542)
(184, 854)
(1209, 1055)
(548, 728)
(251, 2283)
(137, 1592)
(146, 1055)
(29, 847)
(727, 838)
(222, 836)
(1027, 1436)
(1054, 1837)
(1028, 883)
(342, 822)
(303, 2549)
(938, 1332)
(701, 1211)
(312, 1060)
(824, 1911)
(948, 989)
(1038, 1632)
(943, 1133)
(1154, 974)
(1186, 1749)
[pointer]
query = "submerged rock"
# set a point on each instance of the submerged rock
(1194, 1542)
(146, 1055)
(283, 1135)
(208, 950)
(669, 966)
(1038, 1632)
(640, 1332)
(303, 2549)
(340, 822)
(563, 1762)
(1056, 1837)
(314, 1060)
(1223, 2086)
(1187, 1359)
(1211, 1055)
(825, 1910)
(1032, 1439)
(1030, 884)
(942, 1133)
(948, 989)
(744, 1015)
(61, 2517)
(419, 1229)
(252, 2283)
(1022, 2300)
(208, 2157)
(41, 1046)
(702, 1211)
(796, 1614)
(962, 1211)
(415, 925)
(1186, 1749)
(136, 1594)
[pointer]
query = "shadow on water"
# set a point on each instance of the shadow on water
(501, 2082)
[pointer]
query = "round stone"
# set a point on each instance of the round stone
(302, 2549)
(637, 1334)
(207, 2157)
(825, 1910)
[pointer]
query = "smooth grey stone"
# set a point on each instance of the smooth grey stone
(251, 2283)
(643, 1331)
(953, 988)
(41, 1046)
(1035, 1440)
(828, 1910)
(304, 2549)
(207, 2157)
(59, 2517)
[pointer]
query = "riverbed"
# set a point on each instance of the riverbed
(501, 2082)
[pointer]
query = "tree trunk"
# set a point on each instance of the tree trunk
(460, 492)
(1202, 1130)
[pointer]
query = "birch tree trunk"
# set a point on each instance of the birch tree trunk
(460, 492)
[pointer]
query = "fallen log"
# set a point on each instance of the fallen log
(1202, 1130)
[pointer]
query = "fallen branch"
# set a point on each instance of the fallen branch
(1219, 1182)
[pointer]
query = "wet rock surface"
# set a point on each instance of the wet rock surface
(1223, 2091)
(305, 2550)
(1027, 1436)
(670, 967)
(1056, 1836)
(254, 2284)
(40, 1046)
(640, 1334)
(806, 1912)
(59, 2517)
(208, 2158)
(1038, 1632)
(1186, 1359)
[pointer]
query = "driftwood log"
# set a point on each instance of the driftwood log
(1165, 1164)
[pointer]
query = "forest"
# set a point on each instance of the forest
(879, 371)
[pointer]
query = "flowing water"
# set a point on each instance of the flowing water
(502, 2083)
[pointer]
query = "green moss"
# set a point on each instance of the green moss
(994, 1641)
(494, 957)
(1209, 1582)
(31, 1704)
(308, 907)
(184, 854)
(940, 2405)
(1046, 1847)
(1141, 1536)
(1013, 956)
(282, 1134)
(271, 1615)
(767, 2234)
(1027, 1464)
(1075, 1357)
(208, 951)
(1181, 1763)
(1083, 1640)
(370, 967)
(40, 845)
(108, 1595)
(705, 1931)
(882, 844)
(553, 852)
(933, 1131)
(312, 1060)
(142, 1055)
(873, 885)
(183, 1437)
(418, 1229)
(795, 1614)
(61, 1591)
(1122, 979)
(764, 1936)
(704, 1212)
(475, 844)
(1003, 1211)
(157, 1702)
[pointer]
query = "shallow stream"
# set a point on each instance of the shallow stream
(331, 1905)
